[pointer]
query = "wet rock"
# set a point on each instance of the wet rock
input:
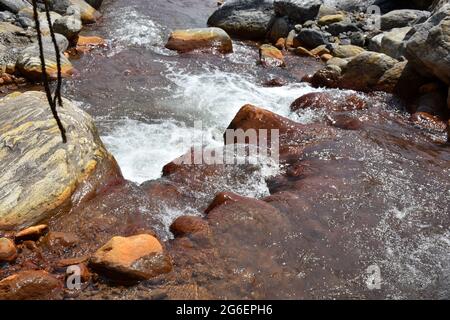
(403, 18)
(330, 101)
(8, 251)
(200, 39)
(344, 122)
(68, 26)
(393, 43)
(139, 257)
(429, 121)
(299, 11)
(346, 51)
(30, 285)
(32, 233)
(300, 51)
(365, 70)
(87, 13)
(86, 44)
(188, 225)
(51, 171)
(245, 19)
(222, 198)
(311, 38)
(427, 48)
(270, 56)
(63, 240)
(29, 63)
(327, 77)
(14, 5)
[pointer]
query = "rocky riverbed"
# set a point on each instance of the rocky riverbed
(362, 105)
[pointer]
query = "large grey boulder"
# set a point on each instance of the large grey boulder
(299, 11)
(393, 43)
(40, 173)
(248, 19)
(14, 5)
(428, 48)
(403, 18)
(68, 26)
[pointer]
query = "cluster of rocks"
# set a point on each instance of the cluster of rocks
(19, 52)
(402, 51)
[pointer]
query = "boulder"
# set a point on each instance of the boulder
(311, 38)
(393, 43)
(14, 5)
(8, 251)
(365, 70)
(59, 6)
(341, 63)
(270, 56)
(280, 29)
(248, 19)
(29, 62)
(326, 77)
(200, 39)
(403, 18)
(139, 257)
(299, 11)
(68, 26)
(39, 172)
(31, 285)
(428, 48)
(346, 51)
(87, 13)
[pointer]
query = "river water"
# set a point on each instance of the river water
(145, 100)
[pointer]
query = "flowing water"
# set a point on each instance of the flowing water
(145, 100)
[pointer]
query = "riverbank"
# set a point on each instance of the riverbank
(360, 183)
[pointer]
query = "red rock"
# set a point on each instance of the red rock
(30, 285)
(329, 101)
(345, 122)
(139, 257)
(32, 233)
(187, 225)
(8, 251)
(222, 198)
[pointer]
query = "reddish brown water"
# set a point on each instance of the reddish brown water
(374, 197)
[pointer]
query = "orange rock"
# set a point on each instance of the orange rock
(32, 233)
(30, 285)
(269, 56)
(86, 44)
(300, 51)
(200, 39)
(329, 101)
(325, 57)
(281, 44)
(8, 251)
(139, 257)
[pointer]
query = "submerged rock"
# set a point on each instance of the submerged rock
(39, 173)
(31, 233)
(249, 19)
(139, 257)
(200, 39)
(329, 101)
(31, 285)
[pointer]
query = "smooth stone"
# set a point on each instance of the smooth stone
(200, 39)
